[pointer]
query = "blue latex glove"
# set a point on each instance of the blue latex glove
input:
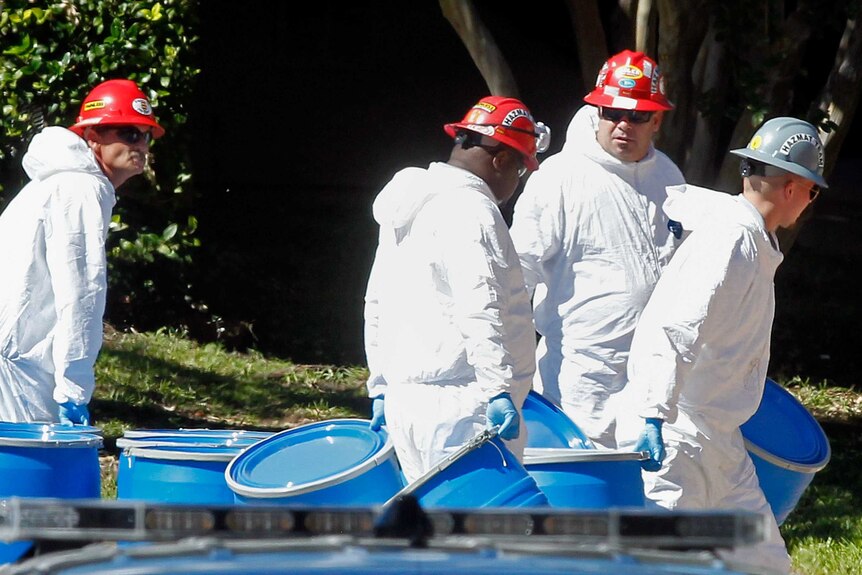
(502, 413)
(650, 440)
(378, 416)
(70, 414)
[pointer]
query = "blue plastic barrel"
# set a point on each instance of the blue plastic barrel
(37, 463)
(332, 462)
(180, 465)
(787, 446)
(482, 473)
(190, 473)
(587, 479)
(549, 426)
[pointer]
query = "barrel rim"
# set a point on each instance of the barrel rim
(789, 465)
(572, 435)
(165, 441)
(51, 426)
(51, 440)
(810, 464)
(171, 453)
(540, 455)
(184, 431)
(386, 453)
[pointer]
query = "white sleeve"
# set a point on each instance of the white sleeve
(76, 229)
(537, 224)
(376, 384)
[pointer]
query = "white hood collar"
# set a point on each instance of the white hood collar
(56, 149)
(410, 189)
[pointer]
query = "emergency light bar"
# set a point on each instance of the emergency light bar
(114, 520)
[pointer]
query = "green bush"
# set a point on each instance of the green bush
(53, 54)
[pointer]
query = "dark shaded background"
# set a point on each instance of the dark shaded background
(299, 121)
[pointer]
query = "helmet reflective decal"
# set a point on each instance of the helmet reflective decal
(796, 138)
(755, 142)
(648, 70)
(485, 129)
(628, 71)
(514, 115)
(94, 105)
(141, 106)
(600, 78)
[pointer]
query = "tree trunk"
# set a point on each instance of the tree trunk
(682, 27)
(837, 104)
(590, 36)
(645, 29)
(839, 98)
(480, 44)
(709, 78)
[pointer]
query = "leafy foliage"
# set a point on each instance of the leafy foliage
(53, 54)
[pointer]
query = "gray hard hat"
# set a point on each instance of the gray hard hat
(789, 144)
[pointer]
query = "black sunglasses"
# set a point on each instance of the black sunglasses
(132, 135)
(633, 116)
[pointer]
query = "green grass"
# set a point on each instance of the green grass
(165, 380)
(824, 532)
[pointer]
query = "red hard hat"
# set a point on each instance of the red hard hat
(116, 103)
(630, 81)
(508, 121)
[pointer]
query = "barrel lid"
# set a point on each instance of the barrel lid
(185, 452)
(36, 438)
(537, 455)
(549, 426)
(308, 458)
(784, 433)
(195, 441)
(183, 431)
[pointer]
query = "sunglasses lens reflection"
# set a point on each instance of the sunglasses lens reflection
(132, 135)
(633, 116)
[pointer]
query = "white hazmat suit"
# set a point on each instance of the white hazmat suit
(593, 240)
(699, 360)
(448, 323)
(52, 291)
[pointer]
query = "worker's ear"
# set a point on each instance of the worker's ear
(788, 189)
(502, 159)
(656, 121)
(91, 135)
